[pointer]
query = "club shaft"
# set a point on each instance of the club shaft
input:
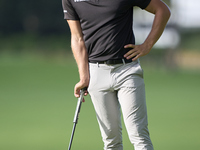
(72, 136)
(75, 121)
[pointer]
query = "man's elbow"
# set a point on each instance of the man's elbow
(159, 8)
(163, 12)
(167, 12)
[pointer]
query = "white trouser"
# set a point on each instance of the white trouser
(115, 86)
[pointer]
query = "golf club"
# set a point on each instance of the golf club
(75, 121)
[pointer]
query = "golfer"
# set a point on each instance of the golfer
(103, 44)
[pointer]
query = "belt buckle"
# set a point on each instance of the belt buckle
(123, 61)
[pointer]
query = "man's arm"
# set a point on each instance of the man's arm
(162, 14)
(80, 55)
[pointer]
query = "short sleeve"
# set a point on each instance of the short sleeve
(142, 3)
(69, 11)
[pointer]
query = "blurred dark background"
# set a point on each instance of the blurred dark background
(32, 16)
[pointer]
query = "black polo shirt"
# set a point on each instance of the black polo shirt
(106, 25)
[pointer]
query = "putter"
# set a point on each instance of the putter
(75, 121)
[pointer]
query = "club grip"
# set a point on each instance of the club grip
(78, 107)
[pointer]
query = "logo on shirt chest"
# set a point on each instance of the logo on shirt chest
(80, 0)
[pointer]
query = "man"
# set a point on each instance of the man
(102, 42)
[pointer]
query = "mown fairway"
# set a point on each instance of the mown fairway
(37, 108)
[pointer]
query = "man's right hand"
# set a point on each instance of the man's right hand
(80, 85)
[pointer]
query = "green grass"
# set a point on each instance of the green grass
(37, 107)
(173, 104)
